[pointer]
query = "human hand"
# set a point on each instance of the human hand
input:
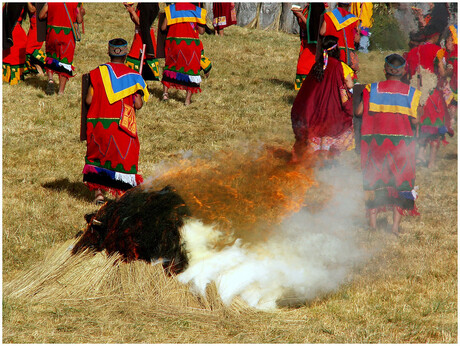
(128, 5)
(296, 8)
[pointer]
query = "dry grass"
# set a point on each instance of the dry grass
(407, 293)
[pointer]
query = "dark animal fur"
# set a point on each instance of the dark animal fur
(140, 225)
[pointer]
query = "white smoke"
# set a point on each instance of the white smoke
(309, 254)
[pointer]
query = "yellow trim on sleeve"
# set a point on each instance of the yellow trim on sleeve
(347, 70)
(415, 103)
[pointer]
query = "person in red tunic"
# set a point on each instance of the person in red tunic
(112, 151)
(322, 111)
(60, 41)
(448, 69)
(151, 67)
(344, 25)
(389, 110)
(183, 48)
(423, 74)
(308, 20)
(224, 15)
(35, 58)
(14, 57)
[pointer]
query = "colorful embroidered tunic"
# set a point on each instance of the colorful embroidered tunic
(308, 41)
(34, 54)
(112, 142)
(343, 25)
(60, 41)
(388, 146)
(183, 47)
(14, 58)
(135, 53)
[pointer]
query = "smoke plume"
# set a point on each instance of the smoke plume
(306, 255)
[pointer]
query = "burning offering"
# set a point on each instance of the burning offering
(140, 225)
(262, 231)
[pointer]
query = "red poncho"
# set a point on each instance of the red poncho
(423, 56)
(388, 146)
(112, 153)
(343, 25)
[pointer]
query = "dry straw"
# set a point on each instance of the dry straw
(407, 293)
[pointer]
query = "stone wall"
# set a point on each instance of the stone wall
(278, 15)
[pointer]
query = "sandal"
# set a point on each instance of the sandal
(50, 88)
(165, 97)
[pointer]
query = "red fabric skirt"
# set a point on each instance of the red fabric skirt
(16, 55)
(224, 14)
(136, 47)
(32, 43)
(14, 58)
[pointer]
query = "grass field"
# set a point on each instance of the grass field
(405, 293)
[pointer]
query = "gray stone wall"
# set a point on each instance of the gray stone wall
(278, 15)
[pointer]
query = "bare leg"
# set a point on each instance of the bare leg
(39, 70)
(373, 219)
(62, 82)
(434, 150)
(221, 32)
(165, 93)
(421, 155)
(50, 87)
(396, 221)
(188, 97)
(50, 74)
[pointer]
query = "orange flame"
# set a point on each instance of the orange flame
(241, 194)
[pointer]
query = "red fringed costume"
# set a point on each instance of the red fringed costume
(183, 47)
(319, 118)
(60, 42)
(112, 152)
(388, 146)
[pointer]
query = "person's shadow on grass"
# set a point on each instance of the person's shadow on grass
(283, 83)
(38, 82)
(75, 189)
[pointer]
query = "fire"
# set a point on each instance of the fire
(242, 193)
